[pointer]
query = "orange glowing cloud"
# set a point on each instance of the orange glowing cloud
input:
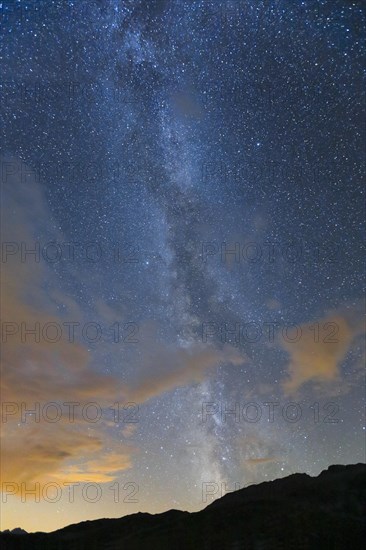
(38, 371)
(317, 354)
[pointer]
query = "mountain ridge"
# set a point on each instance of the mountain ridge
(294, 511)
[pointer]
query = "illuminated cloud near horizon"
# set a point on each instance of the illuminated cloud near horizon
(44, 372)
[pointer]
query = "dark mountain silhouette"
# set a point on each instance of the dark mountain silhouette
(297, 512)
(16, 531)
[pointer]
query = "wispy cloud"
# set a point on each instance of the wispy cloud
(317, 357)
(40, 371)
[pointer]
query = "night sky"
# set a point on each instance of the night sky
(190, 176)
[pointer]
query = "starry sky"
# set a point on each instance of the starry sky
(189, 175)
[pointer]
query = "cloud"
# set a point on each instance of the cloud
(42, 372)
(43, 454)
(40, 451)
(264, 460)
(168, 368)
(258, 449)
(102, 469)
(318, 357)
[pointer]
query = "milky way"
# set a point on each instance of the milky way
(198, 167)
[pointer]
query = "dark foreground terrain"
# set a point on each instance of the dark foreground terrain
(297, 512)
